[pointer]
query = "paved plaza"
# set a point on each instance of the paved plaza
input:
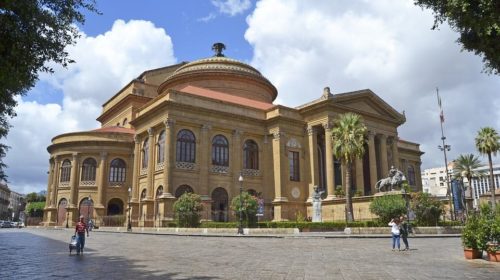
(43, 254)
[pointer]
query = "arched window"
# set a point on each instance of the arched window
(143, 194)
(160, 156)
(183, 189)
(186, 146)
(117, 170)
(88, 169)
(220, 151)
(411, 175)
(159, 191)
(250, 155)
(145, 153)
(65, 171)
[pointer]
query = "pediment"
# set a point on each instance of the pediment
(366, 101)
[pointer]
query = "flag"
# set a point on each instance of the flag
(441, 114)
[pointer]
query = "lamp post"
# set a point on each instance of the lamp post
(129, 224)
(67, 214)
(89, 203)
(240, 225)
(449, 191)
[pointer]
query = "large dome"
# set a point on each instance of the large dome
(222, 74)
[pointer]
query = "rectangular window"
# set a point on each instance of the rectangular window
(293, 158)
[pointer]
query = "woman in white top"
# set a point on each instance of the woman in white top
(394, 223)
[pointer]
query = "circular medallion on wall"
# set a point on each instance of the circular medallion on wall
(295, 192)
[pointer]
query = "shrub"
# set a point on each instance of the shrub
(387, 207)
(427, 209)
(339, 191)
(187, 209)
(248, 211)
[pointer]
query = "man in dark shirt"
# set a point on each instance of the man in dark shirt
(80, 230)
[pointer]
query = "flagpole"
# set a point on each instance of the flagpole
(444, 148)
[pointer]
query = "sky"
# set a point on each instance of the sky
(300, 46)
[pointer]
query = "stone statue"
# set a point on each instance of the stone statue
(394, 179)
(316, 202)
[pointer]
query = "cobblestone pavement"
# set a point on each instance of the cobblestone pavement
(43, 254)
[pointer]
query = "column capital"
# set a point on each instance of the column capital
(372, 134)
(169, 123)
(151, 132)
(277, 134)
(206, 127)
(104, 155)
(310, 130)
(137, 139)
(75, 156)
(237, 132)
(383, 136)
(327, 126)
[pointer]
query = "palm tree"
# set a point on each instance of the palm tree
(487, 143)
(467, 165)
(349, 138)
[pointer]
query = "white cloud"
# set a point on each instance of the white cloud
(208, 18)
(104, 64)
(386, 46)
(232, 7)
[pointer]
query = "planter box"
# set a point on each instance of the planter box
(472, 254)
(494, 257)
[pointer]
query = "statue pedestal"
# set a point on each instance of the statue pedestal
(316, 218)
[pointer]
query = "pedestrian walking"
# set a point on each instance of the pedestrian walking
(80, 230)
(404, 229)
(394, 224)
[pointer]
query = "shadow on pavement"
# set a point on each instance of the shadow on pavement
(28, 256)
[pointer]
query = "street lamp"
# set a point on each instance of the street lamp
(129, 224)
(240, 225)
(89, 203)
(67, 214)
(449, 191)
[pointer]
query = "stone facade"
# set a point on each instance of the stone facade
(196, 127)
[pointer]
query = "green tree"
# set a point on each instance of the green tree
(477, 22)
(427, 209)
(387, 207)
(33, 32)
(248, 208)
(187, 210)
(488, 143)
(349, 138)
(35, 209)
(465, 166)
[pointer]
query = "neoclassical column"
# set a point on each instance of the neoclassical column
(101, 181)
(169, 157)
(74, 180)
(313, 156)
(395, 152)
(330, 170)
(236, 164)
(205, 152)
(360, 186)
(51, 184)
(151, 162)
(373, 161)
(280, 166)
(418, 174)
(136, 169)
(383, 155)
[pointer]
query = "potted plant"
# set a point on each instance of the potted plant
(471, 240)
(493, 246)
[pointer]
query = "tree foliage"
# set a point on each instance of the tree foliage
(349, 138)
(387, 207)
(33, 32)
(187, 210)
(34, 197)
(427, 209)
(35, 209)
(488, 143)
(477, 22)
(248, 208)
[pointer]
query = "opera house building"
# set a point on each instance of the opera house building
(196, 127)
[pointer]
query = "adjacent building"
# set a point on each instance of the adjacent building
(199, 126)
(4, 202)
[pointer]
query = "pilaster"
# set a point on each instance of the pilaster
(151, 167)
(330, 169)
(373, 161)
(74, 180)
(383, 155)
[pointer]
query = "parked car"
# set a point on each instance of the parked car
(5, 224)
